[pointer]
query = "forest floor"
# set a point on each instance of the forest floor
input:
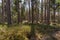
(23, 32)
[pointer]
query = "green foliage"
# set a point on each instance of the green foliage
(58, 1)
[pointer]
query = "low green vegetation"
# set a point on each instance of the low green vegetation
(20, 32)
(14, 33)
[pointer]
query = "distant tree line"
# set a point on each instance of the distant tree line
(37, 11)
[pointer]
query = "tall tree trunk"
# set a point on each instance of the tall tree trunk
(32, 26)
(3, 11)
(53, 2)
(29, 13)
(45, 11)
(41, 11)
(8, 12)
(32, 11)
(17, 9)
(48, 12)
(37, 11)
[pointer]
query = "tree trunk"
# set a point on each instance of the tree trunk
(41, 11)
(3, 11)
(32, 11)
(45, 12)
(48, 12)
(17, 9)
(8, 12)
(29, 13)
(32, 26)
(37, 11)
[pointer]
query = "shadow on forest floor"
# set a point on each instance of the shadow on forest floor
(45, 30)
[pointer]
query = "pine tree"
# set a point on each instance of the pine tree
(8, 12)
(48, 12)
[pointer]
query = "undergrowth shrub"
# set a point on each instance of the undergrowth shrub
(14, 33)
